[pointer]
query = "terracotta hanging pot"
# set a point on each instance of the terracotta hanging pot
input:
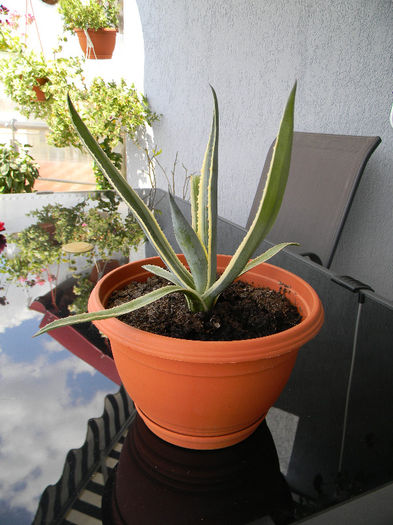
(206, 394)
(50, 229)
(40, 95)
(103, 42)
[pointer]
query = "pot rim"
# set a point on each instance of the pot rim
(235, 351)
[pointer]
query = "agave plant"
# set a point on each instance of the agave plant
(198, 241)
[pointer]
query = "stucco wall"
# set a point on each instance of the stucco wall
(251, 52)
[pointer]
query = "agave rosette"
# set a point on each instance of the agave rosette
(198, 240)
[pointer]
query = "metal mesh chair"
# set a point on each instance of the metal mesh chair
(324, 175)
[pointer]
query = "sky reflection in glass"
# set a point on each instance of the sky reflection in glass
(46, 397)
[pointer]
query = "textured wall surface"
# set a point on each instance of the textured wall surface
(251, 52)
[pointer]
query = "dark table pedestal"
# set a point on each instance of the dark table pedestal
(158, 483)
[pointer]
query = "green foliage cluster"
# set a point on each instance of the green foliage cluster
(91, 14)
(18, 170)
(20, 71)
(111, 109)
(96, 221)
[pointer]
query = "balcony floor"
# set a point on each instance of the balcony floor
(72, 176)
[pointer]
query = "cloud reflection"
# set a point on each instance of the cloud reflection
(41, 419)
(15, 312)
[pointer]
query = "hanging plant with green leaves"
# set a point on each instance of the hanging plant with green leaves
(90, 14)
(24, 69)
(112, 109)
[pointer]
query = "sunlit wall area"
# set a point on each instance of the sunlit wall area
(252, 52)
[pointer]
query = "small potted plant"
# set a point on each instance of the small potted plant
(34, 68)
(202, 393)
(18, 169)
(36, 84)
(39, 247)
(95, 22)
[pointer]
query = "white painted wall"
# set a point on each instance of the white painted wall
(251, 52)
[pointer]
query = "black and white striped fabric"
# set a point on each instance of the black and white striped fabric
(76, 497)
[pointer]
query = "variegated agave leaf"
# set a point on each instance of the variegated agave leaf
(198, 241)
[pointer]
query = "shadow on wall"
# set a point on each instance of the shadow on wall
(139, 157)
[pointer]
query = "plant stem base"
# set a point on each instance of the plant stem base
(212, 442)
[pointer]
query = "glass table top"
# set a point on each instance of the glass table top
(46, 397)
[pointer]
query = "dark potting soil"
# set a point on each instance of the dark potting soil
(241, 312)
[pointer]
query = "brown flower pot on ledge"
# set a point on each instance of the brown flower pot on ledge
(206, 394)
(103, 40)
(50, 229)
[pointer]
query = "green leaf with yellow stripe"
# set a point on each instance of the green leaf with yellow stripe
(142, 213)
(191, 246)
(269, 205)
(112, 312)
(207, 201)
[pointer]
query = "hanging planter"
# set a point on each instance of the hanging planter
(95, 23)
(97, 43)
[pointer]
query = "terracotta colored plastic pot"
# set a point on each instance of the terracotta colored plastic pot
(103, 40)
(206, 394)
(40, 95)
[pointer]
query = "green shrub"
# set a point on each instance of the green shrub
(95, 14)
(18, 169)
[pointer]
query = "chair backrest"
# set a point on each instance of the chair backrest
(324, 175)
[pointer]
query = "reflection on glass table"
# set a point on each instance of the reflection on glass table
(328, 454)
(46, 397)
(47, 394)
